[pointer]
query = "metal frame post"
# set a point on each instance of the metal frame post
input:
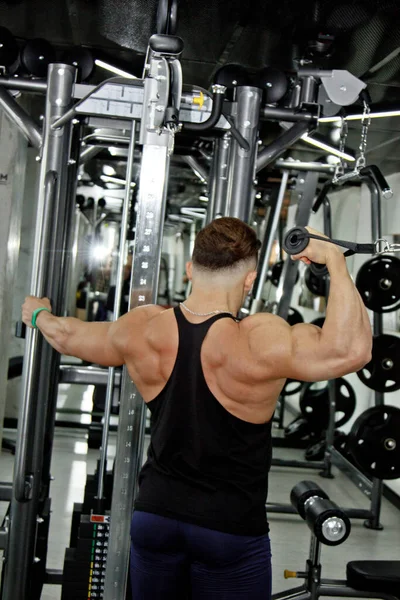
(289, 272)
(376, 230)
(39, 359)
(158, 143)
(221, 159)
(268, 240)
(241, 191)
(330, 432)
(117, 308)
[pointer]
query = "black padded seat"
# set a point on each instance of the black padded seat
(374, 576)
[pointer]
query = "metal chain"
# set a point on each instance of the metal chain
(365, 123)
(341, 165)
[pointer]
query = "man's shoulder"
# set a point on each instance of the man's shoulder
(262, 320)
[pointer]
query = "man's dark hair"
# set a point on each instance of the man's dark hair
(223, 243)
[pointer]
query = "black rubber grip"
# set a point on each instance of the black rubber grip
(296, 240)
(302, 491)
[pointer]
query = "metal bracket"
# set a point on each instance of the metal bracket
(341, 86)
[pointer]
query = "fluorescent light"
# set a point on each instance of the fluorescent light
(108, 67)
(327, 148)
(358, 117)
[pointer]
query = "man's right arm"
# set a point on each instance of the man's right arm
(308, 353)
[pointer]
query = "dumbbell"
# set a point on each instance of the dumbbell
(327, 522)
(296, 240)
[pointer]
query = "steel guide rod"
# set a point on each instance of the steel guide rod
(290, 267)
(144, 287)
(269, 238)
(19, 557)
(376, 227)
(330, 432)
(117, 307)
(241, 191)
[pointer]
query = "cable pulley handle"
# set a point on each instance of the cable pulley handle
(297, 240)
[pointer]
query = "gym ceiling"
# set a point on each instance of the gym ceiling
(360, 36)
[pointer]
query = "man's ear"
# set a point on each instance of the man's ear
(189, 269)
(250, 279)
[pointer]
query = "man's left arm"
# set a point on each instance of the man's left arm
(102, 343)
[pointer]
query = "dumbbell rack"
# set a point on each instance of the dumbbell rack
(373, 490)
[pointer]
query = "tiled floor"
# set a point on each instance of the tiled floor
(72, 461)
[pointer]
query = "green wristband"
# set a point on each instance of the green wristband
(35, 315)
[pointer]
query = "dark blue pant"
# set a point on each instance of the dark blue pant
(171, 560)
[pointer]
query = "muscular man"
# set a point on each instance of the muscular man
(212, 383)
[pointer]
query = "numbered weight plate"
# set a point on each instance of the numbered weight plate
(294, 317)
(314, 404)
(317, 284)
(374, 442)
(382, 373)
(378, 282)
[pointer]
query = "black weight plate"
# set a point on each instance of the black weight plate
(378, 282)
(314, 404)
(276, 273)
(8, 48)
(374, 442)
(382, 373)
(36, 56)
(291, 387)
(82, 58)
(317, 284)
(294, 317)
(231, 76)
(274, 83)
(298, 429)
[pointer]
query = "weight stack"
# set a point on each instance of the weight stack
(85, 565)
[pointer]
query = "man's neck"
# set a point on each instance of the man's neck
(208, 300)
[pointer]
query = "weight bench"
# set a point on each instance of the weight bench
(330, 525)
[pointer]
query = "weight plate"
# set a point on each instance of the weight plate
(374, 442)
(314, 404)
(378, 282)
(8, 48)
(82, 58)
(36, 56)
(298, 429)
(315, 283)
(294, 317)
(274, 83)
(291, 387)
(276, 273)
(382, 373)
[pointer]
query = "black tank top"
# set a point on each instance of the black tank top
(204, 465)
